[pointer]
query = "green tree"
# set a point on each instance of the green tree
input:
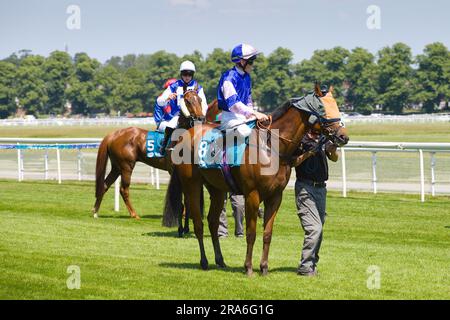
(326, 66)
(81, 89)
(154, 70)
(106, 80)
(58, 68)
(395, 75)
(31, 88)
(433, 76)
(361, 72)
(7, 89)
(216, 63)
(130, 93)
(274, 79)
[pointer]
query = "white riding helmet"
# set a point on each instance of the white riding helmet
(187, 66)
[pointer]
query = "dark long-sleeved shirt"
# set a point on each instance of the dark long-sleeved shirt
(314, 168)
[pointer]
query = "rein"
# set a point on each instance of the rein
(289, 158)
(261, 126)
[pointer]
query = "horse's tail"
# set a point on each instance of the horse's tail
(173, 206)
(100, 167)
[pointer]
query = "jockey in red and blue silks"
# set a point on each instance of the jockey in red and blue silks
(174, 93)
(163, 115)
(234, 93)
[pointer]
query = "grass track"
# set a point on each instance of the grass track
(401, 132)
(45, 227)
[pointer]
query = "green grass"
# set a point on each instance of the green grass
(402, 132)
(45, 227)
(60, 132)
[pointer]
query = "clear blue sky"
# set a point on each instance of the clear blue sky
(180, 26)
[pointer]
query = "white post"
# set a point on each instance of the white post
(433, 177)
(157, 179)
(116, 194)
(344, 174)
(152, 176)
(19, 166)
(79, 164)
(374, 171)
(58, 161)
(46, 164)
(422, 177)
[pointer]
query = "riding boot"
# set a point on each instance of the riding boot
(167, 134)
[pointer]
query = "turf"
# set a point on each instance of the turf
(402, 132)
(45, 227)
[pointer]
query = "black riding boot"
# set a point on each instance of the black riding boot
(167, 134)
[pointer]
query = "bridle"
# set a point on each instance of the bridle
(324, 124)
(192, 119)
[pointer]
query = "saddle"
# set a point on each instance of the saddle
(223, 149)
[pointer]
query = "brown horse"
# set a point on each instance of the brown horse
(291, 123)
(125, 147)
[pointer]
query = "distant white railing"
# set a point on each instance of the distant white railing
(374, 147)
(121, 121)
(414, 118)
(60, 144)
(55, 122)
(361, 146)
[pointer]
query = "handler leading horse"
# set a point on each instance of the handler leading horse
(125, 147)
(291, 123)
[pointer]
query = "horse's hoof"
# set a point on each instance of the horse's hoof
(264, 271)
(186, 231)
(95, 215)
(221, 264)
(136, 217)
(249, 273)
(204, 264)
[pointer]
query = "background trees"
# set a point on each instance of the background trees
(395, 77)
(433, 76)
(7, 88)
(392, 80)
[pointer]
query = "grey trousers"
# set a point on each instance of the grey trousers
(238, 206)
(311, 203)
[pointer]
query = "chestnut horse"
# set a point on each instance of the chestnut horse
(289, 124)
(125, 147)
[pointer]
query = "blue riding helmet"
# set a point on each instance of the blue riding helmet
(243, 51)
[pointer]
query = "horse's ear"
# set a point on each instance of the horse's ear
(331, 90)
(196, 88)
(317, 90)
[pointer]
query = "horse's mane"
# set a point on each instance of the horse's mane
(281, 110)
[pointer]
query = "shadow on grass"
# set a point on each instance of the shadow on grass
(196, 266)
(148, 216)
(170, 234)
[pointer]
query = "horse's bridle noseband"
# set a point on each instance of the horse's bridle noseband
(192, 118)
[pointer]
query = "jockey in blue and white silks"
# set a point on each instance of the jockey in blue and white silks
(163, 115)
(175, 93)
(234, 93)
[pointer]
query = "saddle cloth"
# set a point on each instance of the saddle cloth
(211, 153)
(153, 144)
